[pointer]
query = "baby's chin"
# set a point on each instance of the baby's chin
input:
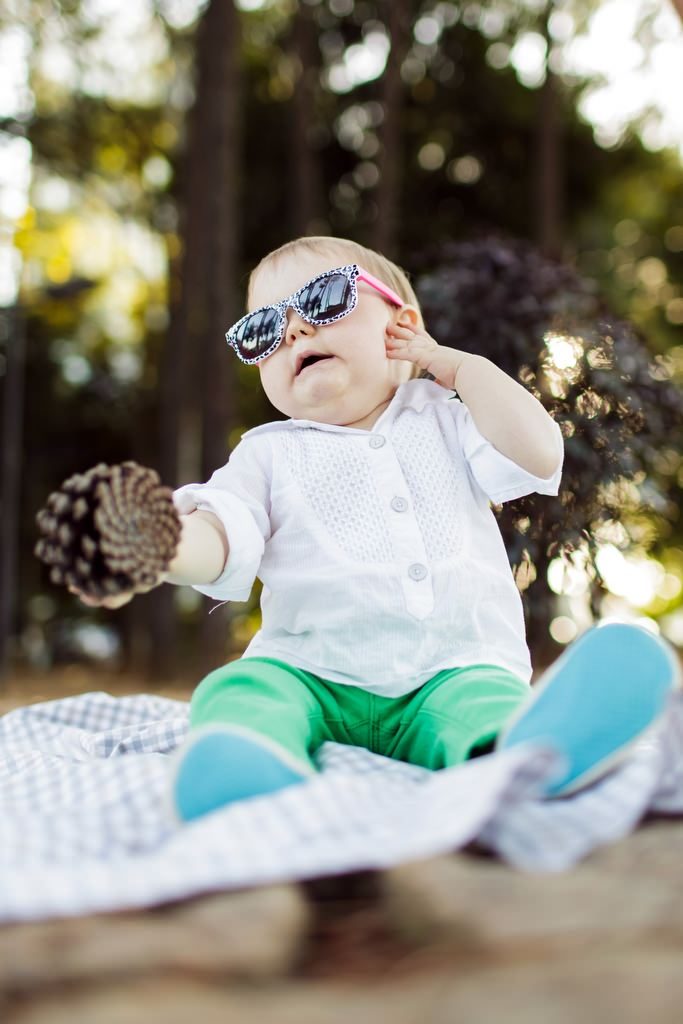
(316, 397)
(320, 412)
(326, 408)
(332, 396)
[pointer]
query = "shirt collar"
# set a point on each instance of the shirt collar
(413, 394)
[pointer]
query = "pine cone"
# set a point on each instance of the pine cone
(111, 530)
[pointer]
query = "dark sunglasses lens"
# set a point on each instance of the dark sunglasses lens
(326, 297)
(258, 333)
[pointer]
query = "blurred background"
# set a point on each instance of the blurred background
(521, 160)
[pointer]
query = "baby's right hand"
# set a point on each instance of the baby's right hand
(102, 602)
(117, 600)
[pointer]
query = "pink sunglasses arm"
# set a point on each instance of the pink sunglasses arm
(383, 289)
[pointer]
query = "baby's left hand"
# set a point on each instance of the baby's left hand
(415, 345)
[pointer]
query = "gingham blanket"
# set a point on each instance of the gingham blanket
(86, 823)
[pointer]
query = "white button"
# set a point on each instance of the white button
(417, 571)
(399, 504)
(377, 441)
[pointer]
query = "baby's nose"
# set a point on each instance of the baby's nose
(296, 326)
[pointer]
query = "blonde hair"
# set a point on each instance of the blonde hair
(349, 252)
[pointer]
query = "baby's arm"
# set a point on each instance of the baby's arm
(200, 558)
(508, 415)
(115, 531)
(202, 551)
(504, 412)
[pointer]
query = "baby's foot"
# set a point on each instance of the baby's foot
(596, 700)
(220, 764)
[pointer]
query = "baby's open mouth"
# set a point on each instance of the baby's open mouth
(310, 361)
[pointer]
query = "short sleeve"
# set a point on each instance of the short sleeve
(499, 477)
(239, 494)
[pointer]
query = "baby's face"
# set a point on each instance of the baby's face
(354, 386)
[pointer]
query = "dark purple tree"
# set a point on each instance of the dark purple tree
(617, 407)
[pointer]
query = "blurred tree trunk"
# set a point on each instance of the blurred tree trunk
(219, 100)
(548, 181)
(12, 323)
(197, 376)
(162, 655)
(396, 15)
(306, 202)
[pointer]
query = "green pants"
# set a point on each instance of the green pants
(437, 725)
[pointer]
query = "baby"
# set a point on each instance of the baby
(390, 616)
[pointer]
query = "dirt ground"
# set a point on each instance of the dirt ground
(458, 938)
(25, 687)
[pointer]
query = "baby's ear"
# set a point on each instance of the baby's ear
(407, 316)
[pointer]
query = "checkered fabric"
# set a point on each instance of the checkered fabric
(86, 822)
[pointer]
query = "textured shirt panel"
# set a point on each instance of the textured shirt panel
(435, 480)
(337, 483)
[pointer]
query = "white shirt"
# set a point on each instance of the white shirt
(381, 560)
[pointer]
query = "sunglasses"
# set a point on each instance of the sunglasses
(322, 300)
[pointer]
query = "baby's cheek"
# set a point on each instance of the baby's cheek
(271, 382)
